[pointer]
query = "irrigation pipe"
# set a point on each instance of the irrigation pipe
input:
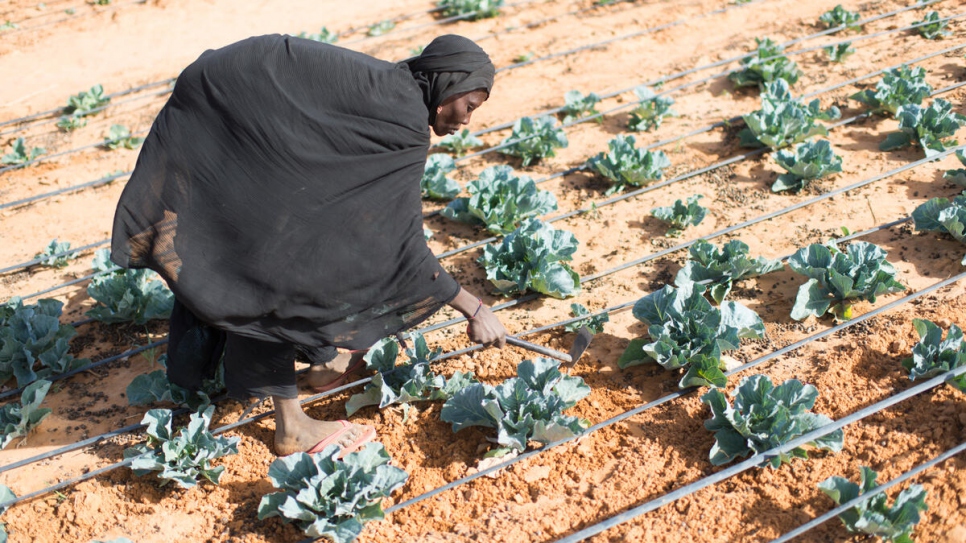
(678, 75)
(681, 393)
(759, 459)
(872, 492)
(111, 9)
(511, 142)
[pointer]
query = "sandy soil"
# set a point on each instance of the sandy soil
(52, 55)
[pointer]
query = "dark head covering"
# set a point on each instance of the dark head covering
(448, 66)
(278, 193)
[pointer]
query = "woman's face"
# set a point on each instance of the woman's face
(456, 111)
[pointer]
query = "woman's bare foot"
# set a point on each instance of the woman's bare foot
(297, 432)
(320, 375)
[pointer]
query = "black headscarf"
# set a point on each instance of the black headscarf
(278, 190)
(448, 66)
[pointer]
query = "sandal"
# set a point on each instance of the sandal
(342, 379)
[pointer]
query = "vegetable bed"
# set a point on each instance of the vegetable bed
(734, 158)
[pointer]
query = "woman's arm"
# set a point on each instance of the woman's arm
(483, 326)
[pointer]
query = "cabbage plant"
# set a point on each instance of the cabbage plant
(764, 416)
(718, 270)
(470, 9)
(874, 516)
(434, 183)
(898, 87)
(650, 111)
(957, 176)
(127, 295)
(56, 255)
(17, 419)
(331, 498)
(499, 199)
(681, 214)
(930, 127)
(32, 336)
(933, 355)
(784, 120)
(933, 26)
(839, 16)
(534, 138)
(943, 215)
(460, 142)
(19, 154)
(533, 257)
(807, 162)
(576, 106)
(766, 64)
(624, 165)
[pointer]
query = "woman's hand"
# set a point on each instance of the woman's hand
(486, 329)
(482, 325)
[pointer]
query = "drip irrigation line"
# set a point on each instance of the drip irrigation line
(92, 365)
(677, 394)
(111, 9)
(45, 158)
(760, 458)
(59, 112)
(619, 307)
(682, 177)
(68, 283)
(511, 142)
(678, 75)
(66, 190)
(872, 492)
(36, 261)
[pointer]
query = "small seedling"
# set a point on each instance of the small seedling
(382, 27)
(873, 516)
(19, 155)
(56, 254)
(839, 16)
(323, 36)
(119, 136)
(460, 142)
(650, 111)
(470, 9)
(933, 26)
(681, 215)
(839, 52)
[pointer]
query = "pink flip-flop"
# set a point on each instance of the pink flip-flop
(342, 379)
(367, 435)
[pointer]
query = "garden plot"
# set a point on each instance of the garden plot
(627, 453)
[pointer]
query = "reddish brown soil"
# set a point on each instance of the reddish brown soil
(575, 485)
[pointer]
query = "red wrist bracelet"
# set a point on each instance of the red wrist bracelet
(475, 313)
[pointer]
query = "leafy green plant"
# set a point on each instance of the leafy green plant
(681, 215)
(154, 387)
(56, 248)
(626, 165)
(119, 136)
(957, 176)
(839, 52)
(434, 184)
(593, 323)
(19, 154)
(763, 417)
(934, 27)
(472, 9)
(31, 334)
(718, 270)
(534, 138)
(576, 105)
(931, 127)
(331, 498)
(766, 64)
(943, 215)
(380, 28)
(524, 57)
(898, 87)
(839, 16)
(413, 381)
(783, 120)
(324, 36)
(183, 458)
(499, 199)
(873, 516)
(6, 495)
(460, 142)
(525, 408)
(807, 162)
(532, 258)
(650, 111)
(934, 355)
(8, 25)
(69, 123)
(85, 102)
(837, 279)
(686, 331)
(127, 295)
(19, 418)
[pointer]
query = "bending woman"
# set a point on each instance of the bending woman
(277, 193)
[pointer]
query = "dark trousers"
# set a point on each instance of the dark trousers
(253, 368)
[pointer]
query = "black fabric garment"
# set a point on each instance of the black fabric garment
(448, 66)
(278, 192)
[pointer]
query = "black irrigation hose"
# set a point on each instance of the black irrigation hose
(60, 111)
(45, 158)
(680, 393)
(92, 365)
(760, 458)
(111, 8)
(510, 143)
(36, 261)
(74, 188)
(682, 177)
(872, 492)
(678, 75)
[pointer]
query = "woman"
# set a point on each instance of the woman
(278, 195)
